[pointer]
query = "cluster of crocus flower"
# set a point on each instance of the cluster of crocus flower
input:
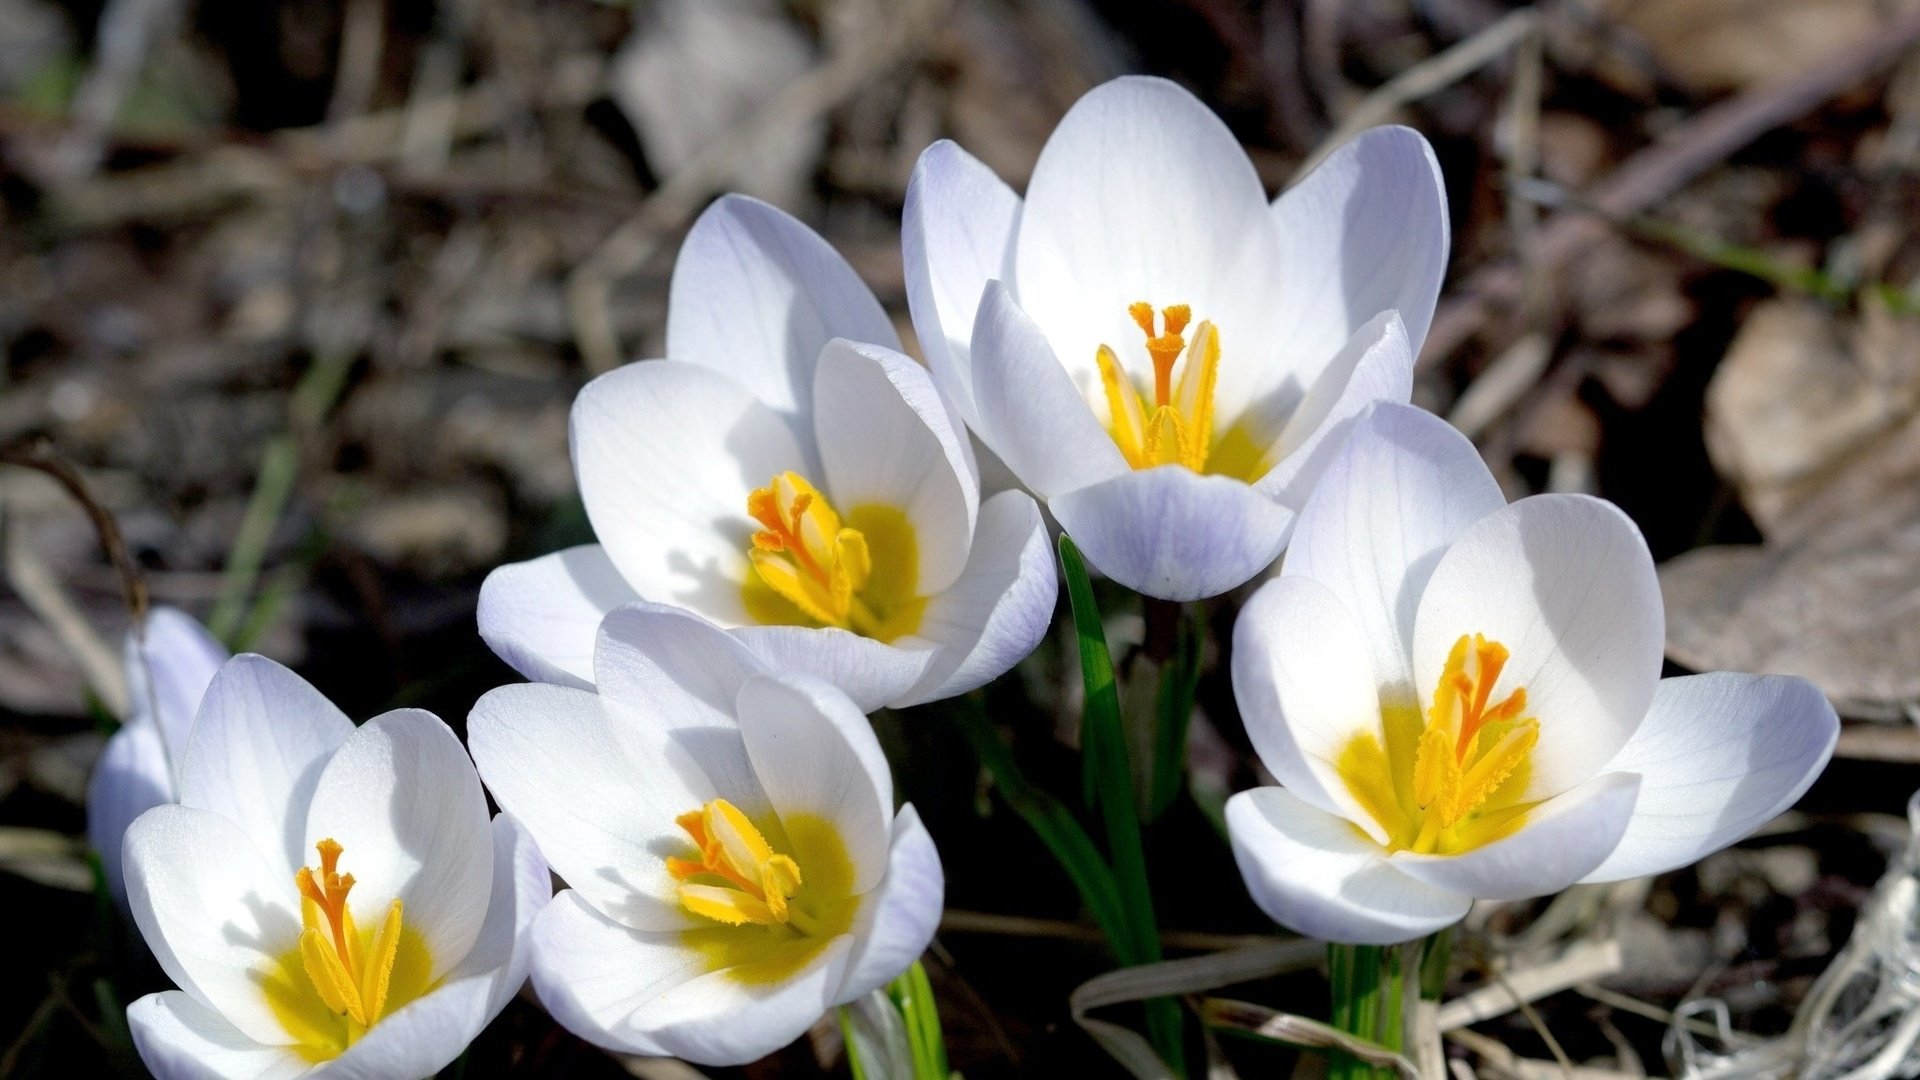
(1459, 697)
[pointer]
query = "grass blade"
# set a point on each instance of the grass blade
(1104, 752)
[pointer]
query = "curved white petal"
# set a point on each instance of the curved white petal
(1718, 756)
(431, 1031)
(181, 1039)
(647, 993)
(170, 660)
(1566, 584)
(756, 295)
(258, 744)
(683, 674)
(1172, 533)
(1563, 840)
(999, 610)
(130, 778)
(1375, 366)
(885, 438)
(897, 921)
(1305, 690)
(541, 615)
(1142, 194)
(666, 454)
(1405, 486)
(401, 798)
(217, 914)
(1312, 873)
(1031, 414)
(522, 886)
(815, 753)
(646, 651)
(872, 673)
(956, 234)
(1365, 232)
(599, 785)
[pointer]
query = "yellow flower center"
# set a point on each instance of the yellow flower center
(1451, 780)
(766, 920)
(811, 567)
(738, 877)
(341, 980)
(1177, 429)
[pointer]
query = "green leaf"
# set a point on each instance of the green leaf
(1104, 753)
(1054, 824)
(912, 994)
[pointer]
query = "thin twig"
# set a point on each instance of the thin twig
(1658, 171)
(1429, 76)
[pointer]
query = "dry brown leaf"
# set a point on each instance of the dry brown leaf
(1816, 421)
(700, 67)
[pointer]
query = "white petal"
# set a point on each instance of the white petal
(683, 674)
(1032, 416)
(956, 234)
(650, 994)
(1566, 584)
(1363, 233)
(170, 660)
(816, 754)
(1172, 533)
(1563, 840)
(419, 1039)
(1312, 873)
(897, 921)
(1000, 609)
(1718, 756)
(1374, 366)
(403, 801)
(872, 673)
(215, 912)
(258, 745)
(599, 785)
(884, 437)
(1305, 690)
(666, 454)
(130, 778)
(522, 886)
(1142, 194)
(437, 1026)
(1405, 486)
(756, 295)
(541, 615)
(181, 1039)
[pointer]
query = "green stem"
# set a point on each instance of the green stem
(1367, 998)
(1436, 953)
(1173, 701)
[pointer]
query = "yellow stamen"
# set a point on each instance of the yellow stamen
(1177, 429)
(826, 569)
(757, 883)
(1456, 784)
(350, 981)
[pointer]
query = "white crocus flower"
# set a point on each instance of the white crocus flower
(169, 659)
(330, 900)
(735, 863)
(1461, 700)
(786, 474)
(1153, 350)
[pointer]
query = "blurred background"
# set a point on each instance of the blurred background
(299, 292)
